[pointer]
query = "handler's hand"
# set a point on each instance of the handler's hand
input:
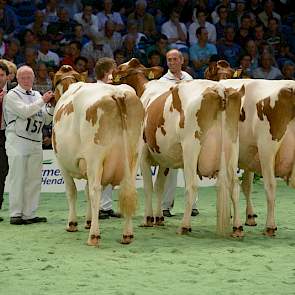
(47, 96)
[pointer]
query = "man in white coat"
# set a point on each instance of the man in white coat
(25, 113)
(175, 74)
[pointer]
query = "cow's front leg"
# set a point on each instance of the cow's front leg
(128, 231)
(88, 210)
(247, 189)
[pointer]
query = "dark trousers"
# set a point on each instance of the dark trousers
(3, 165)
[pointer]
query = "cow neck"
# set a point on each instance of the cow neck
(140, 84)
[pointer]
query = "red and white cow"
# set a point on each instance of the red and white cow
(267, 139)
(191, 125)
(96, 136)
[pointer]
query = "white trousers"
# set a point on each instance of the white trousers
(106, 198)
(24, 184)
(170, 190)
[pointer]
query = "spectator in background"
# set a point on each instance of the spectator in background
(75, 48)
(268, 13)
(201, 22)
(228, 49)
(24, 11)
(186, 65)
(38, 26)
(80, 64)
(29, 39)
(11, 69)
(273, 36)
(259, 35)
(79, 35)
(161, 45)
(254, 6)
(31, 58)
(244, 71)
(3, 44)
(154, 59)
(50, 58)
(175, 31)
(244, 33)
(252, 50)
(119, 56)
(8, 20)
(111, 37)
(72, 6)
(88, 20)
(24, 108)
(222, 23)
(201, 52)
(108, 13)
(237, 14)
(130, 49)
(145, 21)
(96, 49)
(288, 70)
(267, 70)
(50, 11)
(42, 82)
(285, 55)
(140, 38)
(13, 52)
(230, 8)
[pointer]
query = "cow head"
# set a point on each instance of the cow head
(135, 74)
(219, 70)
(63, 78)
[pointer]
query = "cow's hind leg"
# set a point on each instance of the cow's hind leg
(247, 189)
(71, 192)
(88, 210)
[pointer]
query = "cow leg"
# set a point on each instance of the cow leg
(247, 189)
(267, 167)
(159, 190)
(71, 192)
(88, 212)
(148, 189)
(190, 161)
(95, 189)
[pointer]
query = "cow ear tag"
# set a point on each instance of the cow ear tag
(117, 78)
(151, 75)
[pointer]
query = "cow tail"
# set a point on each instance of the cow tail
(127, 192)
(223, 201)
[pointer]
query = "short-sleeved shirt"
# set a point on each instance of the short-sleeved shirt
(170, 77)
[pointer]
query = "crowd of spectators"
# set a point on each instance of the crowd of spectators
(257, 37)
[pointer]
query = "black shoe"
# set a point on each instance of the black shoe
(167, 213)
(103, 214)
(16, 220)
(112, 213)
(195, 212)
(35, 220)
(1, 219)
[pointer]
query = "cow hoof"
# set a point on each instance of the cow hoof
(160, 221)
(251, 220)
(149, 222)
(270, 232)
(93, 240)
(87, 224)
(237, 232)
(184, 230)
(72, 227)
(127, 239)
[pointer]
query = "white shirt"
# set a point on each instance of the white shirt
(49, 58)
(170, 77)
(2, 125)
(91, 27)
(192, 32)
(170, 30)
(115, 17)
(15, 107)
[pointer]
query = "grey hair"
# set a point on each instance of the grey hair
(141, 2)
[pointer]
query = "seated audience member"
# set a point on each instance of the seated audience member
(119, 57)
(237, 14)
(130, 49)
(145, 21)
(228, 49)
(266, 69)
(259, 35)
(11, 69)
(109, 14)
(288, 70)
(154, 59)
(201, 52)
(244, 71)
(268, 13)
(30, 55)
(244, 32)
(285, 54)
(29, 39)
(81, 66)
(230, 8)
(72, 6)
(79, 35)
(111, 37)
(252, 50)
(45, 55)
(96, 49)
(254, 6)
(175, 31)
(186, 67)
(273, 36)
(3, 43)
(42, 82)
(38, 26)
(8, 21)
(161, 45)
(88, 20)
(140, 38)
(50, 11)
(222, 23)
(75, 48)
(13, 51)
(201, 22)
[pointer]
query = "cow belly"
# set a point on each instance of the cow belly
(209, 158)
(113, 166)
(285, 157)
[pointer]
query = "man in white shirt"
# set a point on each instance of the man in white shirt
(174, 61)
(45, 55)
(25, 113)
(104, 68)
